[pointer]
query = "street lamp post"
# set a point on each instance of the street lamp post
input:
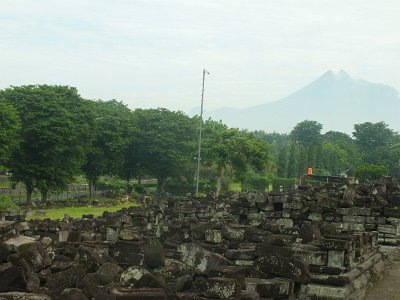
(200, 129)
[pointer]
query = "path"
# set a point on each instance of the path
(387, 288)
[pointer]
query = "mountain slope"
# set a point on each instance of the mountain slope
(335, 100)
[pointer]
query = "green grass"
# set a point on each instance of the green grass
(235, 187)
(77, 212)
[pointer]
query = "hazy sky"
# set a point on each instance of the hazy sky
(150, 53)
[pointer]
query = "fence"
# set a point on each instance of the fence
(74, 191)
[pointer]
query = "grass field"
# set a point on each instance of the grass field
(77, 212)
(235, 187)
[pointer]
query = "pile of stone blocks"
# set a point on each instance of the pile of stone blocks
(325, 242)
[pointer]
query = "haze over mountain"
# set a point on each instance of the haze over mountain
(335, 100)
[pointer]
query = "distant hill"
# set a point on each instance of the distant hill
(335, 100)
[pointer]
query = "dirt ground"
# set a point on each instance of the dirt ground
(387, 288)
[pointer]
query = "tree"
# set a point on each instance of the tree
(233, 151)
(307, 133)
(109, 140)
(374, 141)
(165, 143)
(370, 171)
(54, 130)
(10, 126)
(308, 139)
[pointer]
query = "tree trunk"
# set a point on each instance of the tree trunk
(161, 185)
(219, 181)
(29, 191)
(128, 187)
(44, 196)
(92, 186)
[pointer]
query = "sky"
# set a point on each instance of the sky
(151, 53)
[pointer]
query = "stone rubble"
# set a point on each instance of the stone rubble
(326, 242)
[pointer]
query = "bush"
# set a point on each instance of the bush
(7, 204)
(370, 172)
(140, 189)
(114, 187)
(178, 188)
(254, 182)
(285, 183)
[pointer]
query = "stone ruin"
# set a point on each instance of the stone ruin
(325, 242)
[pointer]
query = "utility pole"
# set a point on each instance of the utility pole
(200, 128)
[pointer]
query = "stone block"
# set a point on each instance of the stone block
(127, 253)
(335, 244)
(274, 287)
(139, 294)
(290, 268)
(354, 219)
(201, 259)
(391, 229)
(213, 236)
(232, 234)
(217, 287)
(112, 234)
(335, 258)
(236, 273)
(286, 223)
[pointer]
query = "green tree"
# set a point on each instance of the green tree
(307, 133)
(109, 138)
(374, 141)
(165, 143)
(10, 126)
(370, 171)
(308, 139)
(54, 130)
(234, 151)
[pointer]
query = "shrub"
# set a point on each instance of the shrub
(7, 204)
(254, 182)
(285, 183)
(140, 189)
(370, 172)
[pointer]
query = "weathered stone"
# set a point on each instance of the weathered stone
(12, 278)
(289, 268)
(90, 258)
(23, 296)
(309, 233)
(236, 273)
(232, 234)
(201, 259)
(274, 287)
(70, 278)
(154, 255)
(184, 283)
(112, 234)
(12, 244)
(33, 257)
(63, 236)
(335, 258)
(335, 244)
(217, 287)
(139, 294)
(73, 294)
(132, 275)
(213, 236)
(127, 253)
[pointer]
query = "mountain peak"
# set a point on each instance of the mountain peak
(336, 74)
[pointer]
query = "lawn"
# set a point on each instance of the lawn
(235, 187)
(77, 212)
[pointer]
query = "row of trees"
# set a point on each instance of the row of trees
(50, 134)
(372, 151)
